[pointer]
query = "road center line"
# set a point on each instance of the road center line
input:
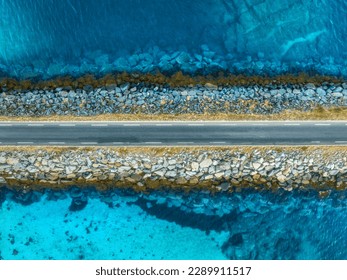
(292, 124)
(24, 143)
(35, 124)
(67, 124)
(322, 124)
(89, 143)
(131, 124)
(99, 124)
(195, 124)
(153, 142)
(56, 143)
(218, 142)
(226, 124)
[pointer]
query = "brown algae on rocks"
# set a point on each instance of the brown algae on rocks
(179, 168)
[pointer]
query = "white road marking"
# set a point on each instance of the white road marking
(218, 142)
(56, 143)
(89, 143)
(5, 124)
(260, 124)
(131, 124)
(185, 142)
(25, 143)
(291, 124)
(99, 124)
(226, 124)
(153, 142)
(322, 124)
(35, 124)
(195, 124)
(118, 143)
(340, 142)
(316, 142)
(67, 124)
(163, 124)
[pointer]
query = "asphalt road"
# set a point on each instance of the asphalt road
(172, 133)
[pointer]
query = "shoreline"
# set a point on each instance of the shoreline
(201, 102)
(224, 169)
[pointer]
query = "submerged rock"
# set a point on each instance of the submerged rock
(78, 203)
(197, 217)
(2, 196)
(26, 197)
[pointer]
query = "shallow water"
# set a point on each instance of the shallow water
(49, 38)
(165, 225)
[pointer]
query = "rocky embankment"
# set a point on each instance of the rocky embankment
(136, 98)
(224, 169)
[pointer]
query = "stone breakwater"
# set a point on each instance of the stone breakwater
(224, 169)
(157, 99)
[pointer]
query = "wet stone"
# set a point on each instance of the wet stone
(26, 198)
(76, 192)
(78, 203)
(55, 195)
(2, 196)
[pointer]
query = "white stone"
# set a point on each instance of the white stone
(70, 169)
(337, 94)
(281, 178)
(159, 173)
(256, 165)
(195, 166)
(171, 174)
(206, 163)
(12, 161)
(219, 175)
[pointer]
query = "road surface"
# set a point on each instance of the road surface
(173, 133)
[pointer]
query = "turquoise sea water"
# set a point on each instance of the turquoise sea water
(165, 225)
(41, 39)
(48, 38)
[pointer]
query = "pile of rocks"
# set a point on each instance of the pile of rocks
(137, 98)
(219, 170)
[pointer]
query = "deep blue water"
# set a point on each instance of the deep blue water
(87, 224)
(47, 38)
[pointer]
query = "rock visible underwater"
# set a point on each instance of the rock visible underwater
(121, 224)
(50, 38)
